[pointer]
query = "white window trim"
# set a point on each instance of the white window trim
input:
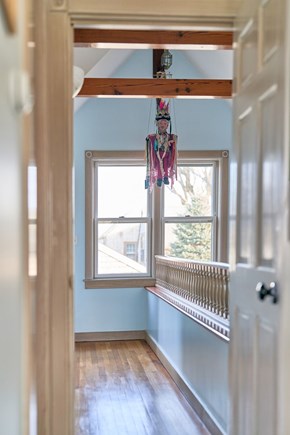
(220, 221)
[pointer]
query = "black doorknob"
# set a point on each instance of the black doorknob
(264, 291)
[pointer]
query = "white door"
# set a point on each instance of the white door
(256, 217)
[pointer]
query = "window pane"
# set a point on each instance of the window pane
(122, 248)
(191, 194)
(121, 191)
(188, 240)
(32, 192)
(32, 258)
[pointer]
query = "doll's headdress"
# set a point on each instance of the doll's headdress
(162, 110)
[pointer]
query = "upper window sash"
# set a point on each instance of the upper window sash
(214, 194)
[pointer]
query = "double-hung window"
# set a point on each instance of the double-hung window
(118, 219)
(189, 212)
(126, 225)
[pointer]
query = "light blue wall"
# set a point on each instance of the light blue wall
(199, 356)
(110, 310)
(123, 124)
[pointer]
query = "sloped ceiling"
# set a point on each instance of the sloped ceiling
(217, 64)
(87, 58)
(98, 63)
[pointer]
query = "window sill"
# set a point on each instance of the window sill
(119, 283)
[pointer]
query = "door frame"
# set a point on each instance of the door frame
(53, 117)
(284, 290)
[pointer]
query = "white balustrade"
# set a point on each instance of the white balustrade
(202, 283)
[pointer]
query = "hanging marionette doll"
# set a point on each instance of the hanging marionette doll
(161, 152)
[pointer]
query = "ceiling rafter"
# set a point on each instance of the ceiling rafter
(156, 40)
(103, 38)
(154, 88)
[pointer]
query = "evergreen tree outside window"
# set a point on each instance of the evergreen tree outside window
(190, 214)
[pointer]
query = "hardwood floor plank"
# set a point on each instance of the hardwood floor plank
(121, 388)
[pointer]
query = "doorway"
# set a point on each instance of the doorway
(54, 37)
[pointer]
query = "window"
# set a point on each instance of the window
(32, 211)
(126, 225)
(189, 213)
(130, 250)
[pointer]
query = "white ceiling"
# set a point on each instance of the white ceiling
(86, 58)
(98, 62)
(215, 64)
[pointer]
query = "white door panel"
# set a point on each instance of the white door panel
(256, 216)
(246, 195)
(266, 353)
(243, 399)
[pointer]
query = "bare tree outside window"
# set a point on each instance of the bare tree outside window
(190, 236)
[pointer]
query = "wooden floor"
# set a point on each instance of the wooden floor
(122, 388)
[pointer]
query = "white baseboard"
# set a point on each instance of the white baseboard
(109, 336)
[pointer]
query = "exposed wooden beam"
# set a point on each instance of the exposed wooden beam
(156, 61)
(157, 53)
(154, 88)
(102, 38)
